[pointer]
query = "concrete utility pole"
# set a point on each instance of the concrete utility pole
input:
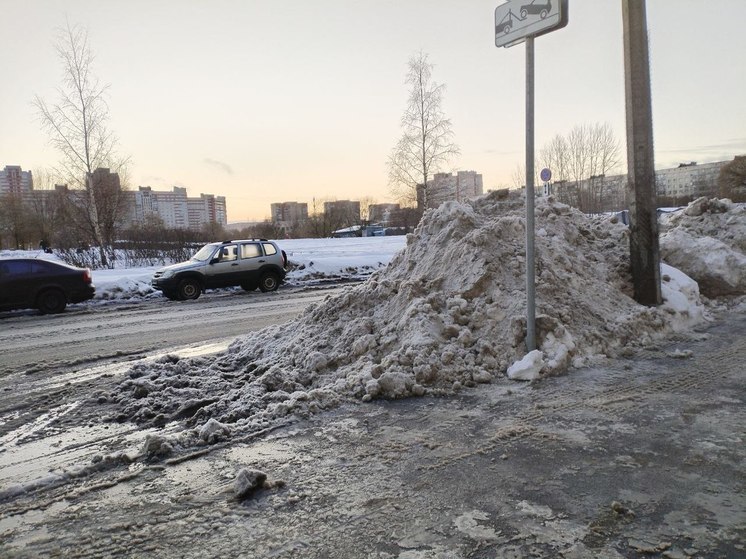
(641, 194)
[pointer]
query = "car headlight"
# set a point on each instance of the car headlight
(167, 274)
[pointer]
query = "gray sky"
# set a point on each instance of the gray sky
(279, 100)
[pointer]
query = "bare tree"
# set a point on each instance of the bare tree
(580, 161)
(14, 221)
(46, 207)
(77, 125)
(732, 179)
(427, 137)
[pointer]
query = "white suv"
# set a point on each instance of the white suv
(250, 263)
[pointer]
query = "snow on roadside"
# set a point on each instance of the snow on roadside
(707, 241)
(447, 312)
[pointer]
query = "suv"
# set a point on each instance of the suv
(250, 263)
(30, 283)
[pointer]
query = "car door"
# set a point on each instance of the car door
(252, 259)
(16, 291)
(223, 269)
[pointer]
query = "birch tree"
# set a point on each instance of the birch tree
(77, 126)
(427, 140)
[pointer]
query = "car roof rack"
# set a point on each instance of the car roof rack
(239, 240)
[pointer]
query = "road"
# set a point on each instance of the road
(640, 457)
(87, 334)
(49, 365)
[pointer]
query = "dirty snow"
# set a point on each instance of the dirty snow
(707, 241)
(447, 312)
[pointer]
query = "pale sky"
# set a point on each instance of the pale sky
(285, 100)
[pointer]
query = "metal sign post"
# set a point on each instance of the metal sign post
(517, 21)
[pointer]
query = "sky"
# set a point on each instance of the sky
(266, 101)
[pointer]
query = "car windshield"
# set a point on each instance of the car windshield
(204, 253)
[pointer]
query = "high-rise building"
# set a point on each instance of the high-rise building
(345, 210)
(14, 180)
(177, 210)
(445, 187)
(288, 214)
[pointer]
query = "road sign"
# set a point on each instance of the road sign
(546, 175)
(517, 19)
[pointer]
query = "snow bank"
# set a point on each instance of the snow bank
(707, 241)
(448, 311)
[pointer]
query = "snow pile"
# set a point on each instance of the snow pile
(449, 311)
(707, 241)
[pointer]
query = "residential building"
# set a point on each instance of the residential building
(444, 187)
(344, 210)
(288, 214)
(689, 180)
(674, 186)
(14, 180)
(177, 210)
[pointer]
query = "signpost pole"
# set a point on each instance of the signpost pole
(530, 267)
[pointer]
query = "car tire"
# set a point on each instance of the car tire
(189, 289)
(269, 281)
(171, 296)
(51, 301)
(524, 13)
(543, 14)
(249, 286)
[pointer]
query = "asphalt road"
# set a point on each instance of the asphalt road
(87, 334)
(643, 457)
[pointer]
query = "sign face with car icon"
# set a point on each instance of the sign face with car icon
(517, 19)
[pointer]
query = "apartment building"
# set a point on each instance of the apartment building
(288, 214)
(177, 210)
(348, 210)
(676, 185)
(14, 180)
(444, 187)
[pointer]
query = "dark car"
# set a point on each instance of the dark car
(250, 263)
(32, 283)
(542, 8)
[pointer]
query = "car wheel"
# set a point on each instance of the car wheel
(189, 289)
(524, 13)
(269, 282)
(543, 14)
(51, 301)
(249, 286)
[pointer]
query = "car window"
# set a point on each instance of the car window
(10, 269)
(269, 249)
(250, 250)
(41, 268)
(228, 253)
(204, 253)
